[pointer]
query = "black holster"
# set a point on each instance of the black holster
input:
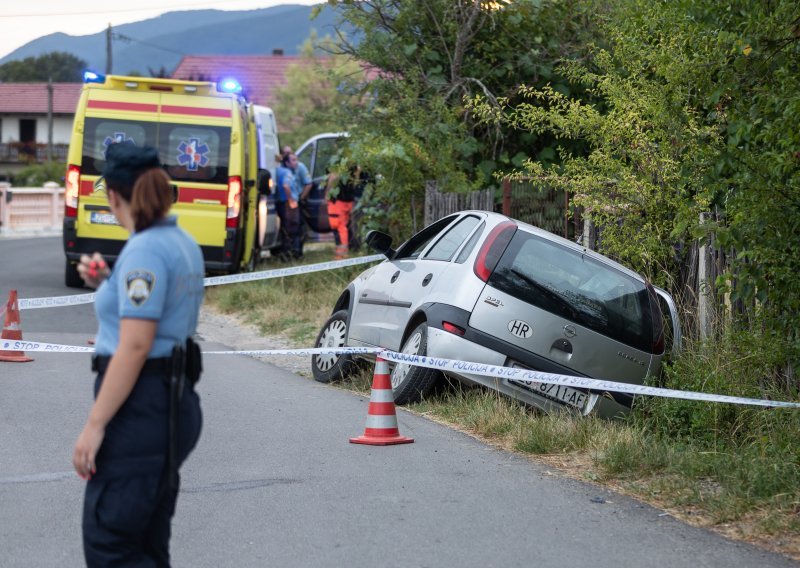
(187, 364)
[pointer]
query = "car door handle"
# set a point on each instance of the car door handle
(427, 280)
(395, 276)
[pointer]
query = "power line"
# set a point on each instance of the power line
(125, 38)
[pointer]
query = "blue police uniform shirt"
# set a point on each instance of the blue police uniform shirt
(158, 276)
(285, 177)
(301, 179)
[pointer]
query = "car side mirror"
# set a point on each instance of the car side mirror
(380, 242)
(264, 182)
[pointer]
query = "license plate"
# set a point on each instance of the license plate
(559, 393)
(100, 218)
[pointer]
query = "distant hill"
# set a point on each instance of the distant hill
(164, 40)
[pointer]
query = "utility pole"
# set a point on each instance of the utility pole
(108, 49)
(49, 119)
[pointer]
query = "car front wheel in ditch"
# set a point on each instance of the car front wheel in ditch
(332, 367)
(409, 382)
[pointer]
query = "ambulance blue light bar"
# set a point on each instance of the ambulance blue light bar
(92, 77)
(230, 86)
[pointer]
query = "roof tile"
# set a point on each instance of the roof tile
(31, 98)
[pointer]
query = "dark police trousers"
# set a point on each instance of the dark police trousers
(128, 505)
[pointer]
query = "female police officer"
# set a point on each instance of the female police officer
(146, 306)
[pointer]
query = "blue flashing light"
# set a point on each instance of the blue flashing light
(230, 86)
(92, 77)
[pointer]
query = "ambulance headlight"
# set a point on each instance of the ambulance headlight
(92, 77)
(230, 86)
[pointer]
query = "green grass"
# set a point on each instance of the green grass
(715, 464)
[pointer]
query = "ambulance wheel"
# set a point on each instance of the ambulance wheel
(411, 383)
(71, 276)
(328, 368)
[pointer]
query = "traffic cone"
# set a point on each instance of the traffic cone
(12, 331)
(381, 427)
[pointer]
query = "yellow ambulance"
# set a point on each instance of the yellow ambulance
(207, 139)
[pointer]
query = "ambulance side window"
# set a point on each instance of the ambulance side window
(99, 133)
(195, 153)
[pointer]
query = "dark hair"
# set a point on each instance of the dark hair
(285, 159)
(150, 197)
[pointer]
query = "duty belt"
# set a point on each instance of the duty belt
(160, 365)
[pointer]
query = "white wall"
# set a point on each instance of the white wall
(62, 128)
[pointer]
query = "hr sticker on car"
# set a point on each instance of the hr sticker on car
(520, 328)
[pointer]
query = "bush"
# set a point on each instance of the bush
(38, 174)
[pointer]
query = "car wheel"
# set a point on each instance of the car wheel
(71, 276)
(327, 368)
(409, 382)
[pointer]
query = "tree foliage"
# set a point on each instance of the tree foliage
(59, 66)
(316, 89)
(426, 58)
(696, 111)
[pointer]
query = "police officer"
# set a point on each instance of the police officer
(147, 308)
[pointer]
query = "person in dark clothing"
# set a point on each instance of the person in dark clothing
(146, 417)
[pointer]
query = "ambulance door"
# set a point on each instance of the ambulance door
(195, 142)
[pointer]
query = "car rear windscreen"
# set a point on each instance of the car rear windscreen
(576, 287)
(197, 153)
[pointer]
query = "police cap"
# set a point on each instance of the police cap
(124, 163)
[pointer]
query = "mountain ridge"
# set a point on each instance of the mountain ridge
(162, 41)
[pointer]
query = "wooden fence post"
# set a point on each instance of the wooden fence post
(704, 307)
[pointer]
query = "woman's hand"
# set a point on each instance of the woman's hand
(93, 269)
(86, 448)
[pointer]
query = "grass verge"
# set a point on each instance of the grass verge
(732, 469)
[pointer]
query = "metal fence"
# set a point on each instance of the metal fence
(31, 152)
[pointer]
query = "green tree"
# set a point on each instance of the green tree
(59, 66)
(696, 111)
(316, 87)
(427, 58)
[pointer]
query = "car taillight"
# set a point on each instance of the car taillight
(234, 201)
(71, 191)
(493, 248)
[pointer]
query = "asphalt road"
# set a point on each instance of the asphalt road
(274, 481)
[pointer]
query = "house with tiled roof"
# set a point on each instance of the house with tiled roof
(24, 128)
(259, 75)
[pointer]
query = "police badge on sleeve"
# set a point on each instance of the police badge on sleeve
(139, 284)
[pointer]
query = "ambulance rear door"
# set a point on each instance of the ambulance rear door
(195, 145)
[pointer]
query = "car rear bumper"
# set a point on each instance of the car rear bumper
(483, 348)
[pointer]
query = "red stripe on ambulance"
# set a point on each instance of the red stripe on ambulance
(116, 105)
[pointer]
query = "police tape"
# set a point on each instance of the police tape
(531, 378)
(78, 299)
(519, 376)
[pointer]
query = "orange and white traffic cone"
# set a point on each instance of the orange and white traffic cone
(12, 331)
(381, 427)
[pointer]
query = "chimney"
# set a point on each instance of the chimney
(277, 51)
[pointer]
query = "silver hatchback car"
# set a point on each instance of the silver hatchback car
(478, 286)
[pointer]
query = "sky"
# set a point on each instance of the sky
(21, 22)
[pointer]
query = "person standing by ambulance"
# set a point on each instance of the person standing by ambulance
(146, 417)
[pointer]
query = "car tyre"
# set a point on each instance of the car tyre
(72, 277)
(328, 368)
(411, 383)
